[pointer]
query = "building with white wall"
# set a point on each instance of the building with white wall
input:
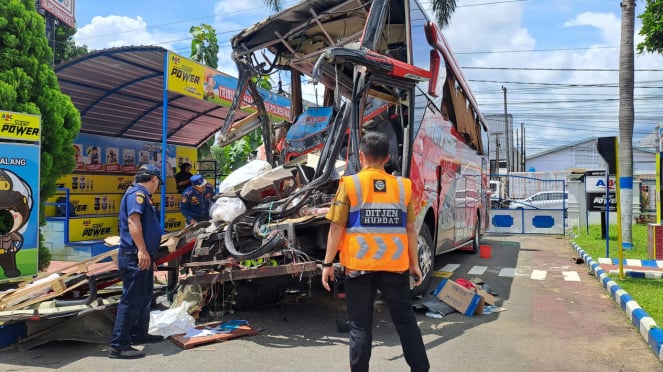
(584, 155)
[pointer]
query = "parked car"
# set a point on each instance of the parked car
(542, 200)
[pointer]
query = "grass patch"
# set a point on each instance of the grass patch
(648, 293)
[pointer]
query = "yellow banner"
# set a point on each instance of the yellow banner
(91, 205)
(92, 228)
(96, 228)
(185, 76)
(174, 222)
(20, 126)
(104, 184)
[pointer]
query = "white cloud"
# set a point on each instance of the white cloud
(607, 23)
(114, 31)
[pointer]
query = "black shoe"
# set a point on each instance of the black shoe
(129, 353)
(146, 339)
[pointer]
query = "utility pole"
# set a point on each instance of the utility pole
(522, 144)
(508, 135)
(497, 154)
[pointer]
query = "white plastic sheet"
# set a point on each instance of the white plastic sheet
(227, 209)
(246, 172)
(172, 321)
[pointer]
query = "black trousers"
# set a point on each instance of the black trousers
(360, 297)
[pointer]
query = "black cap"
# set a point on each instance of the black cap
(149, 169)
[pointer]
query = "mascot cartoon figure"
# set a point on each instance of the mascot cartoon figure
(15, 207)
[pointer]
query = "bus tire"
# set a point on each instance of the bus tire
(476, 239)
(426, 259)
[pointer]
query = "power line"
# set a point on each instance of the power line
(555, 69)
(537, 50)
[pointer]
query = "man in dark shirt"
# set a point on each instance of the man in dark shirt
(183, 177)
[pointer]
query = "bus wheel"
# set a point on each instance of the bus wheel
(476, 240)
(426, 259)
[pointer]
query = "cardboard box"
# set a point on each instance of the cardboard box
(460, 298)
(485, 298)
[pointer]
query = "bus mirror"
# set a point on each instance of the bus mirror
(433, 88)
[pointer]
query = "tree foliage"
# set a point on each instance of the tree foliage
(204, 46)
(236, 154)
(443, 10)
(28, 84)
(205, 49)
(64, 46)
(652, 28)
(274, 4)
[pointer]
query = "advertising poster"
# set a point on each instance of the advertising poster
(19, 195)
(174, 222)
(64, 10)
(97, 205)
(92, 228)
(196, 80)
(595, 187)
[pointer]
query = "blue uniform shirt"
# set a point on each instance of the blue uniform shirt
(195, 204)
(137, 200)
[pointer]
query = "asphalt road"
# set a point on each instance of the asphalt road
(554, 320)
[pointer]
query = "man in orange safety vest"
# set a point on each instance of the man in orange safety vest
(372, 226)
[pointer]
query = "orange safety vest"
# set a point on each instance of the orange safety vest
(375, 236)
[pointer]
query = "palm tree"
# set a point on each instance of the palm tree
(625, 149)
(443, 9)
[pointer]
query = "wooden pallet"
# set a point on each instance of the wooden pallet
(30, 292)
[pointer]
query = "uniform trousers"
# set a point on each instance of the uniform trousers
(360, 293)
(133, 311)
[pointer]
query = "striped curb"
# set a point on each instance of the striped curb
(639, 274)
(654, 264)
(649, 331)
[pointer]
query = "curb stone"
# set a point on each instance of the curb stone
(649, 331)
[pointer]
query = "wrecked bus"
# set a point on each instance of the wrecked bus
(384, 66)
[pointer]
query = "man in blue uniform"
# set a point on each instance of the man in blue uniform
(196, 200)
(140, 236)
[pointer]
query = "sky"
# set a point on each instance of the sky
(557, 59)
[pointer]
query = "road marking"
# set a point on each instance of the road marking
(538, 274)
(508, 271)
(477, 270)
(571, 276)
(511, 272)
(450, 267)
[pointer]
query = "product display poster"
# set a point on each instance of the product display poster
(104, 155)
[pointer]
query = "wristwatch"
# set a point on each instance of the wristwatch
(327, 264)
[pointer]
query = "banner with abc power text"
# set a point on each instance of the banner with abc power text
(196, 80)
(19, 194)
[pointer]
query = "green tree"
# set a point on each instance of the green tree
(204, 46)
(652, 28)
(626, 119)
(29, 85)
(64, 45)
(443, 10)
(204, 49)
(236, 154)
